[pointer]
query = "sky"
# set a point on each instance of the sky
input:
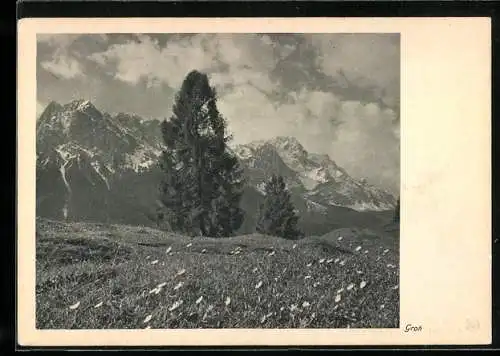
(338, 94)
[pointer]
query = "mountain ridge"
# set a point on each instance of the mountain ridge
(89, 162)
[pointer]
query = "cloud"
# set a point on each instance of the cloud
(40, 107)
(63, 65)
(65, 41)
(57, 40)
(367, 143)
(144, 59)
(63, 62)
(252, 115)
(366, 60)
(230, 60)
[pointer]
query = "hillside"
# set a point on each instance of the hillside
(91, 276)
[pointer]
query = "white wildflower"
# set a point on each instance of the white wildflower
(147, 257)
(175, 305)
(181, 272)
(154, 262)
(293, 307)
(366, 251)
(305, 304)
(198, 301)
(204, 250)
(169, 249)
(155, 291)
(264, 318)
(98, 305)
(254, 270)
(74, 306)
(350, 286)
(309, 264)
(336, 260)
(161, 285)
(382, 306)
(258, 285)
(385, 251)
(294, 245)
(342, 262)
(178, 285)
(307, 277)
(358, 248)
(330, 260)
(338, 297)
(362, 284)
(395, 287)
(340, 238)
(272, 253)
(282, 308)
(322, 260)
(340, 290)
(228, 300)
(189, 244)
(148, 318)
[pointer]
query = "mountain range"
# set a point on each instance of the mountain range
(93, 166)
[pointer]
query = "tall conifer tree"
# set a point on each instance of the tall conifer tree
(203, 181)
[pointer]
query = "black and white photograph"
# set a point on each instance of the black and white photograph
(218, 180)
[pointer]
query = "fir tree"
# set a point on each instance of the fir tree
(277, 216)
(203, 182)
(396, 212)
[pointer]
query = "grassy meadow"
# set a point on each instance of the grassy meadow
(98, 276)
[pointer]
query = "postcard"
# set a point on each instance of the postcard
(254, 181)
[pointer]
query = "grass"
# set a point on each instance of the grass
(97, 276)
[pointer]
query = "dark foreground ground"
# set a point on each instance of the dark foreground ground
(95, 276)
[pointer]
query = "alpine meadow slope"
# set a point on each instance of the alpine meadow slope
(106, 276)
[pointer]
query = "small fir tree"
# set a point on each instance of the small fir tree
(396, 212)
(277, 214)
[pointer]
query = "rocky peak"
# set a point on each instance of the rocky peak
(83, 106)
(50, 110)
(290, 145)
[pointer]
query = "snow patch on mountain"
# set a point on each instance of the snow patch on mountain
(62, 169)
(315, 207)
(243, 152)
(84, 105)
(97, 168)
(312, 178)
(142, 158)
(367, 206)
(261, 188)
